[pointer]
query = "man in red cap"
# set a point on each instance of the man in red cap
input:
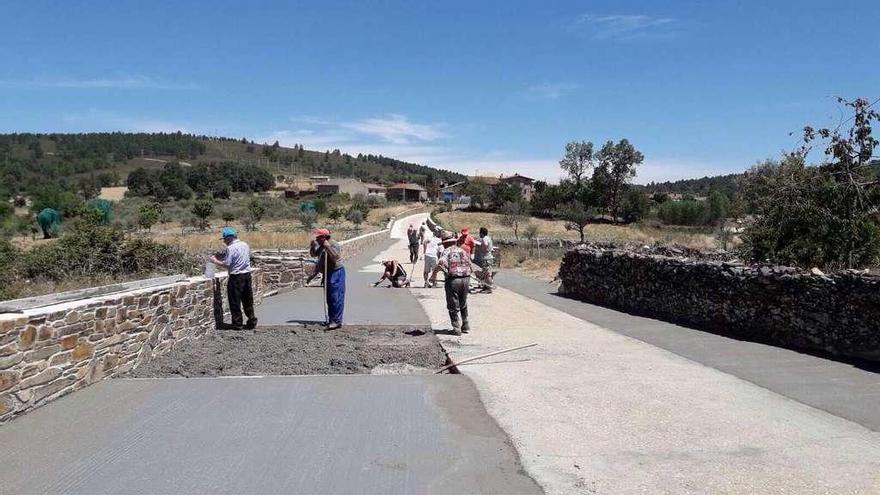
(468, 242)
(329, 265)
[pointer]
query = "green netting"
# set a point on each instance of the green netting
(49, 221)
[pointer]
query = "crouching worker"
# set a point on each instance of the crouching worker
(239, 289)
(394, 273)
(329, 265)
(456, 264)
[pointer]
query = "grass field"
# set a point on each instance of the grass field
(555, 229)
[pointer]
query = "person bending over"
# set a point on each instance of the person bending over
(394, 273)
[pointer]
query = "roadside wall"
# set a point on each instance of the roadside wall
(50, 351)
(785, 306)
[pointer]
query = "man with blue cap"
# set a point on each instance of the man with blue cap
(239, 289)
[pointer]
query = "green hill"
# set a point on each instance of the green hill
(93, 160)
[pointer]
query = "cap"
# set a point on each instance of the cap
(321, 232)
(227, 232)
(448, 237)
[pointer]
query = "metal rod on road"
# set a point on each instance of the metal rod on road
(481, 356)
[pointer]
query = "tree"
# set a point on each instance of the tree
(530, 232)
(823, 215)
(228, 216)
(479, 192)
(579, 159)
(504, 193)
(308, 218)
(148, 215)
(335, 214)
(575, 215)
(356, 217)
(202, 209)
(256, 210)
(635, 206)
(616, 167)
(514, 214)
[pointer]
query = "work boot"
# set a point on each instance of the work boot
(456, 327)
(251, 324)
(465, 327)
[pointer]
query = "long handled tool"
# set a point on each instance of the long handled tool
(481, 356)
(326, 288)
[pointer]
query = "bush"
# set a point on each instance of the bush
(355, 216)
(684, 213)
(89, 249)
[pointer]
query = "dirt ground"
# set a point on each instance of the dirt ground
(301, 350)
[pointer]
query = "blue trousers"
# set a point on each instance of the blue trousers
(336, 295)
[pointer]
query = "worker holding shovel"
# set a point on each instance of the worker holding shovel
(329, 265)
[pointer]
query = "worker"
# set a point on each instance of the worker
(468, 245)
(456, 264)
(314, 250)
(329, 265)
(484, 258)
(432, 251)
(413, 235)
(394, 273)
(236, 258)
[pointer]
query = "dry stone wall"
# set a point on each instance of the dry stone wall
(838, 314)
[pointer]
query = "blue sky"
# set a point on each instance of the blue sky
(699, 87)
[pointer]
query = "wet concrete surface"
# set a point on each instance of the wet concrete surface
(356, 434)
(298, 350)
(364, 304)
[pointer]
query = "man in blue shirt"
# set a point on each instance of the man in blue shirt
(237, 260)
(329, 265)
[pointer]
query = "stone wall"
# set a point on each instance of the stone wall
(838, 314)
(282, 269)
(50, 351)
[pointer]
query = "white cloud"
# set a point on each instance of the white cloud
(626, 27)
(395, 128)
(550, 91)
(132, 82)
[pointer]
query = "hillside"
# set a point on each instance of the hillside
(94, 160)
(728, 184)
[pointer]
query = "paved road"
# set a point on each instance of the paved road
(364, 305)
(362, 434)
(593, 410)
(841, 389)
(331, 434)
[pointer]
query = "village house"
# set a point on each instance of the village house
(403, 191)
(352, 187)
(525, 184)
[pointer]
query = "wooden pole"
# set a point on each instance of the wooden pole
(481, 356)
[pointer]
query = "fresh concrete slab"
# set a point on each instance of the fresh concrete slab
(594, 411)
(358, 434)
(364, 304)
(846, 390)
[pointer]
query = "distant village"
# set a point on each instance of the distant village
(399, 191)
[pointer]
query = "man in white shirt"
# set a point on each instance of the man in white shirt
(239, 288)
(432, 250)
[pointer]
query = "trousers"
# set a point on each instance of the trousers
(456, 299)
(336, 295)
(239, 290)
